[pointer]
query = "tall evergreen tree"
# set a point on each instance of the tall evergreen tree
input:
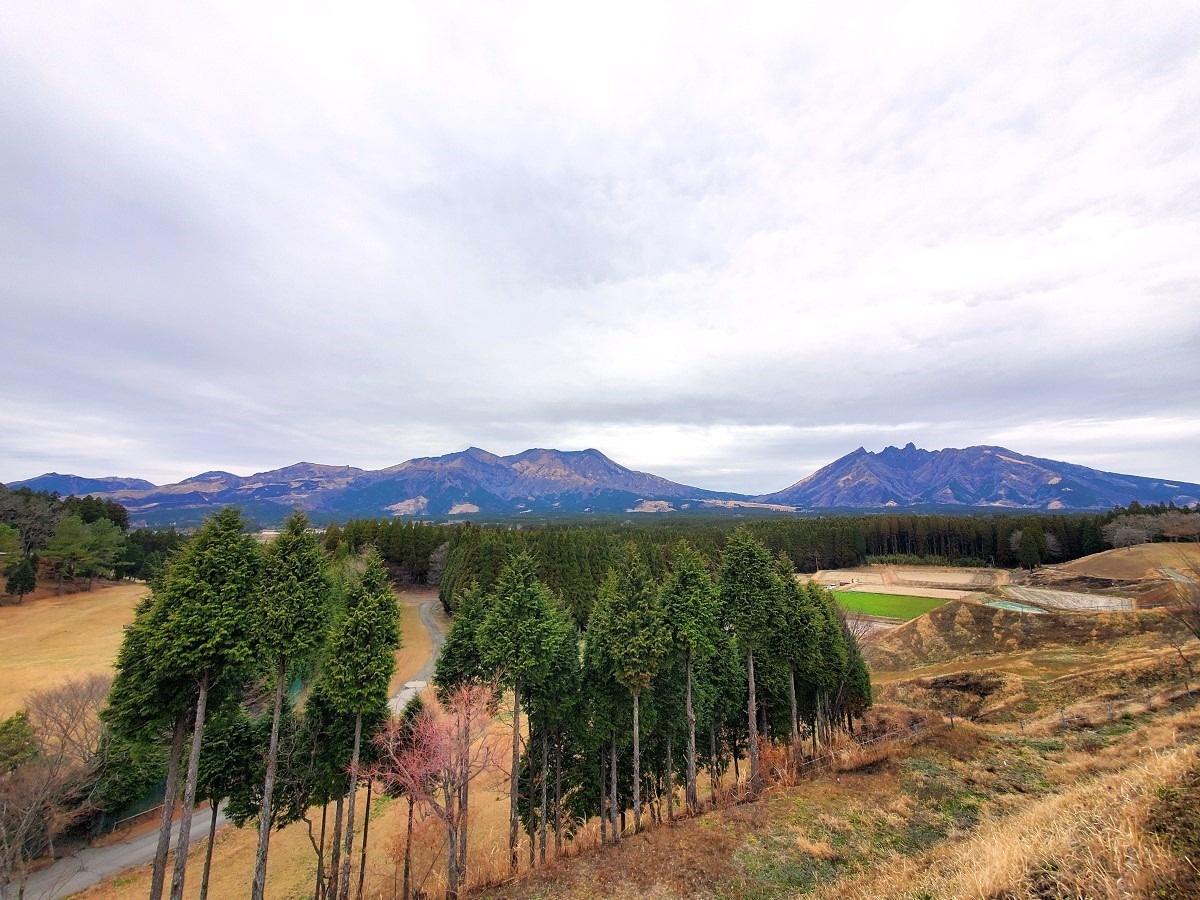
(461, 658)
(797, 638)
(750, 604)
(517, 638)
(690, 605)
(22, 579)
(145, 704)
(360, 659)
(293, 600)
(206, 634)
(637, 641)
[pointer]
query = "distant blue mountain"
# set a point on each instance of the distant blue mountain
(474, 483)
(976, 477)
(66, 485)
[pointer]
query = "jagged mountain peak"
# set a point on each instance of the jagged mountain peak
(979, 476)
(477, 482)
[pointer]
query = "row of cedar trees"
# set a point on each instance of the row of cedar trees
(664, 677)
(206, 667)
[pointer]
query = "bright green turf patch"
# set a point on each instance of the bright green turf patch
(890, 605)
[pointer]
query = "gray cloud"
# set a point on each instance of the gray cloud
(724, 248)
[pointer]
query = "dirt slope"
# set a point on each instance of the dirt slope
(970, 629)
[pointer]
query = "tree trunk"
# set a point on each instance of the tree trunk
(168, 813)
(212, 837)
(408, 853)
(603, 800)
(266, 814)
(335, 848)
(612, 789)
(637, 768)
(752, 716)
(714, 766)
(452, 882)
(545, 794)
(670, 782)
(513, 788)
(693, 803)
(792, 697)
(362, 862)
(558, 799)
(463, 798)
(352, 796)
(189, 795)
(319, 894)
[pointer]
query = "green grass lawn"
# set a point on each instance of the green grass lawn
(890, 605)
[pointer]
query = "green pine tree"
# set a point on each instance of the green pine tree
(293, 600)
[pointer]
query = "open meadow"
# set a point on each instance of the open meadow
(48, 639)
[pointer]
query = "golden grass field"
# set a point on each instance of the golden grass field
(48, 639)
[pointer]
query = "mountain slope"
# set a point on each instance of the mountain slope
(66, 485)
(474, 482)
(974, 476)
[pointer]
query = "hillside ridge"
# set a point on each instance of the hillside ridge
(546, 481)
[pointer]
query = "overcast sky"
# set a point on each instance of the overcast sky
(725, 244)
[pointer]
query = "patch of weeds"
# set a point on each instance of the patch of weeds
(379, 805)
(1017, 775)
(1089, 742)
(923, 765)
(920, 833)
(777, 867)
(1175, 819)
(1123, 726)
(1045, 745)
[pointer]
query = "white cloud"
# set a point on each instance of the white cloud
(722, 244)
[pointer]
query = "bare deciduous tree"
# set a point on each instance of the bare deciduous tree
(435, 759)
(52, 787)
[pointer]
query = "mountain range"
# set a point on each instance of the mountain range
(476, 483)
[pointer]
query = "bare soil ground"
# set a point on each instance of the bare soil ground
(49, 638)
(1073, 601)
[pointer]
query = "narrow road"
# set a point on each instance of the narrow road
(91, 865)
(72, 874)
(418, 682)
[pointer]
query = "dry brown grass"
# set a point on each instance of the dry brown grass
(1089, 841)
(46, 640)
(1133, 563)
(417, 646)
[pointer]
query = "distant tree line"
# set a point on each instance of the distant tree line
(42, 534)
(573, 560)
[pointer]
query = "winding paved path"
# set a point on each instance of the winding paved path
(421, 679)
(92, 864)
(81, 870)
